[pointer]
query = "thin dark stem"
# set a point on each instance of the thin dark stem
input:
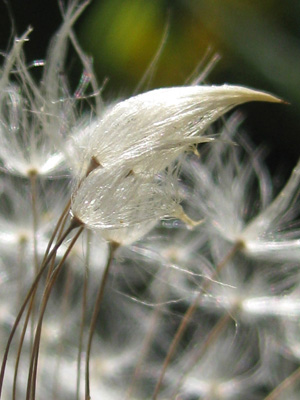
(65, 307)
(35, 351)
(30, 293)
(59, 223)
(188, 315)
(21, 345)
(59, 232)
(113, 247)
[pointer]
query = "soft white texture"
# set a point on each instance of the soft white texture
(120, 155)
(118, 199)
(153, 128)
(274, 233)
(25, 148)
(223, 183)
(36, 116)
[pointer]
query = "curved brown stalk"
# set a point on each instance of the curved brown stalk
(30, 293)
(188, 315)
(35, 351)
(65, 308)
(59, 232)
(113, 248)
(57, 227)
(21, 345)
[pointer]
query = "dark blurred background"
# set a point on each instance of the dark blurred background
(258, 41)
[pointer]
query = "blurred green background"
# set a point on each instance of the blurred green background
(258, 42)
